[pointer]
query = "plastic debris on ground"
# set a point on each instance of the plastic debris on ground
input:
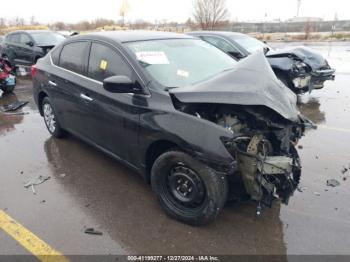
(333, 183)
(14, 106)
(35, 181)
(92, 231)
(1, 93)
(344, 170)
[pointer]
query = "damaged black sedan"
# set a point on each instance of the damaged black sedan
(196, 124)
(24, 48)
(299, 68)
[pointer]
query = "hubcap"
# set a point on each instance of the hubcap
(49, 118)
(185, 186)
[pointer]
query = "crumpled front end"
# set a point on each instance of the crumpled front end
(264, 147)
(318, 77)
(308, 70)
(264, 124)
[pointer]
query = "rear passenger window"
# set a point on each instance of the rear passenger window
(55, 55)
(73, 57)
(105, 62)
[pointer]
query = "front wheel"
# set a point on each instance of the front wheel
(50, 119)
(187, 189)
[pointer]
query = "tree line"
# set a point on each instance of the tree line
(207, 15)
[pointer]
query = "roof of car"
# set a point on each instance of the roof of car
(30, 31)
(222, 33)
(136, 35)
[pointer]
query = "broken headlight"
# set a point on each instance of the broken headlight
(302, 81)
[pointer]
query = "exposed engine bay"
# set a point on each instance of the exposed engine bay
(263, 146)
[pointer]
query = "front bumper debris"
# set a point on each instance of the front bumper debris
(318, 78)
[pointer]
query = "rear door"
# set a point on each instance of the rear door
(66, 85)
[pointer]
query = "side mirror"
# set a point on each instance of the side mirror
(30, 43)
(266, 50)
(121, 84)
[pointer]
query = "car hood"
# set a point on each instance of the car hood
(250, 82)
(307, 55)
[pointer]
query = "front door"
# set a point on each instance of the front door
(114, 117)
(25, 51)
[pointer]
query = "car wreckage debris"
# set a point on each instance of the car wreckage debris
(92, 231)
(333, 183)
(344, 170)
(14, 106)
(35, 181)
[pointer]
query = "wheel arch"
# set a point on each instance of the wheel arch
(41, 97)
(154, 150)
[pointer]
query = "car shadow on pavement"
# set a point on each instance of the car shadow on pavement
(126, 208)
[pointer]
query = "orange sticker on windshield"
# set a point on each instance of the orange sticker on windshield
(103, 64)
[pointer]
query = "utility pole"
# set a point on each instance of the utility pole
(124, 9)
(298, 7)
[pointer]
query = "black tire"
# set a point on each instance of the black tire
(175, 174)
(8, 89)
(54, 127)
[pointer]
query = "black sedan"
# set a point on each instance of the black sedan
(191, 120)
(299, 68)
(26, 47)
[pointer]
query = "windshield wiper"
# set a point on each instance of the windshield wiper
(144, 64)
(168, 88)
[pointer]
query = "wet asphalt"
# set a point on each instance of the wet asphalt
(89, 189)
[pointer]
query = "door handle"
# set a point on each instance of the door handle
(51, 83)
(85, 97)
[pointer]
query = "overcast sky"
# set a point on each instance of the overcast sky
(171, 10)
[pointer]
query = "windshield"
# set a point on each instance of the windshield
(47, 38)
(180, 62)
(249, 43)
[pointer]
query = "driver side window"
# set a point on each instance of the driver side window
(221, 44)
(24, 39)
(105, 62)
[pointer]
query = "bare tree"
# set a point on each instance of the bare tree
(308, 29)
(2, 22)
(60, 26)
(33, 21)
(209, 13)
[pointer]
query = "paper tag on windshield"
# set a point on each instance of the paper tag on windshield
(183, 73)
(152, 57)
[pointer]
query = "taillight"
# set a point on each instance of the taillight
(34, 70)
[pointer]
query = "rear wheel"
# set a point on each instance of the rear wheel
(51, 120)
(187, 189)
